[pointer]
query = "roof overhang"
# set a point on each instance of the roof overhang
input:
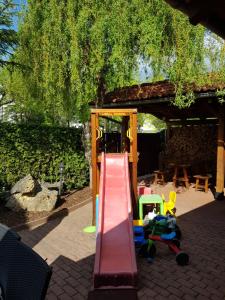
(210, 14)
(158, 99)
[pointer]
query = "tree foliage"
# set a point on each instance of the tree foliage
(75, 51)
(149, 121)
(7, 35)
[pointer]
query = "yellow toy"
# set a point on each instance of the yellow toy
(169, 206)
(137, 222)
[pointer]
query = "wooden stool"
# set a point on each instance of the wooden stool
(202, 182)
(159, 177)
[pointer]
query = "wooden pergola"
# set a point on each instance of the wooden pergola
(157, 99)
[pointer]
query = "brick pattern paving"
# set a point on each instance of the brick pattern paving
(71, 254)
(69, 251)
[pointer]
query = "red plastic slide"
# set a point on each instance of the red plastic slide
(115, 261)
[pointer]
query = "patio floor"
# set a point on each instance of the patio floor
(71, 253)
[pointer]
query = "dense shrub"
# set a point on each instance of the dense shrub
(38, 150)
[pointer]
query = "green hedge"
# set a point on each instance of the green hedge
(38, 150)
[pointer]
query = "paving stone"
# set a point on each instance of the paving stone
(159, 297)
(51, 296)
(69, 290)
(164, 292)
(173, 297)
(57, 290)
(188, 297)
(71, 254)
(200, 297)
(175, 291)
(201, 291)
(65, 297)
(189, 292)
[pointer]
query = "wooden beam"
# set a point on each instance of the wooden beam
(193, 122)
(93, 164)
(112, 112)
(112, 120)
(133, 125)
(124, 139)
(220, 159)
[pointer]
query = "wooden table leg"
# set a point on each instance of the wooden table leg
(186, 180)
(175, 176)
(156, 177)
(206, 185)
(196, 184)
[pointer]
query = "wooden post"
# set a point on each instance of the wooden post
(220, 160)
(94, 164)
(133, 125)
(124, 139)
(168, 131)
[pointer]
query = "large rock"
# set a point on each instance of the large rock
(44, 200)
(26, 185)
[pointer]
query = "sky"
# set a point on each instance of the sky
(19, 4)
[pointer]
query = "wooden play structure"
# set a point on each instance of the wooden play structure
(114, 180)
(128, 143)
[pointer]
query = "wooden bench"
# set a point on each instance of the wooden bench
(202, 182)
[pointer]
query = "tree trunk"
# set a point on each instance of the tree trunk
(87, 147)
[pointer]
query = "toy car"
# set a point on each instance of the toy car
(161, 229)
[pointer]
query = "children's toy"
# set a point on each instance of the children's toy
(144, 190)
(163, 225)
(162, 229)
(150, 216)
(182, 258)
(169, 206)
(144, 246)
(147, 199)
(137, 222)
(139, 236)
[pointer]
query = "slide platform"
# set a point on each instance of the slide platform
(115, 262)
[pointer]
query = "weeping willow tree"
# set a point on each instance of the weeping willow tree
(76, 51)
(7, 34)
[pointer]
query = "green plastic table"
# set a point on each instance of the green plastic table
(149, 199)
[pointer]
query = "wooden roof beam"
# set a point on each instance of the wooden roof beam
(112, 120)
(209, 14)
(192, 122)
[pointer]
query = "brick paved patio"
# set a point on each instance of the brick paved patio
(202, 220)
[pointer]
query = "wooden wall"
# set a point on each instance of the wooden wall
(149, 146)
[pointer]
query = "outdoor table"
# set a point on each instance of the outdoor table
(149, 199)
(180, 174)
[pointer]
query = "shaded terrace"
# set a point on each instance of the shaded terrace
(157, 99)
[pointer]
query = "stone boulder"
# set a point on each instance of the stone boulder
(44, 200)
(31, 197)
(26, 185)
